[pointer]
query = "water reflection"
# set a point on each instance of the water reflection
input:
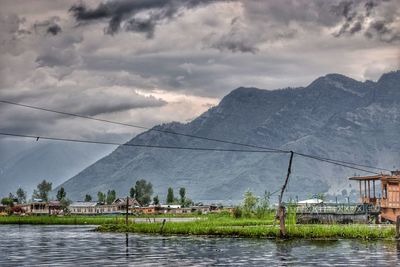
(76, 245)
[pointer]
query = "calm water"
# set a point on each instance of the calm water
(77, 245)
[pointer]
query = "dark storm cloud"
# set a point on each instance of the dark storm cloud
(369, 6)
(54, 29)
(48, 26)
(380, 30)
(123, 13)
(235, 40)
(379, 26)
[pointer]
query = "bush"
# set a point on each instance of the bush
(237, 212)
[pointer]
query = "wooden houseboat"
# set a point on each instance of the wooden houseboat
(388, 198)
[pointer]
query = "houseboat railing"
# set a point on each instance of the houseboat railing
(333, 208)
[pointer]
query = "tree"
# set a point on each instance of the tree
(88, 198)
(42, 190)
(156, 200)
(64, 204)
(170, 196)
(132, 192)
(111, 196)
(182, 194)
(263, 206)
(321, 196)
(101, 197)
(249, 202)
(6, 201)
(142, 192)
(61, 194)
(21, 195)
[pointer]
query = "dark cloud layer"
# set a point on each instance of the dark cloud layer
(359, 16)
(125, 13)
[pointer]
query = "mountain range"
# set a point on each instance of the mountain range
(335, 117)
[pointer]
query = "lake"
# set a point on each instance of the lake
(32, 245)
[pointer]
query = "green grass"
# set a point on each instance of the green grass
(254, 228)
(215, 225)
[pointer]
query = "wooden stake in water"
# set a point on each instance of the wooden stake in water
(127, 209)
(281, 208)
(398, 227)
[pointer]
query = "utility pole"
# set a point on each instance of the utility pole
(281, 208)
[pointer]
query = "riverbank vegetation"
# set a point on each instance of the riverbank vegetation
(223, 225)
(254, 229)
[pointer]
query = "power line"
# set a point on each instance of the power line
(167, 147)
(328, 160)
(341, 161)
(338, 164)
(140, 127)
(133, 145)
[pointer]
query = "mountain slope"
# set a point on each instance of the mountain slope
(335, 116)
(36, 161)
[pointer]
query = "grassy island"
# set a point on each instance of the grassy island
(254, 228)
(213, 225)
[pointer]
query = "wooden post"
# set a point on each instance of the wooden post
(127, 209)
(281, 208)
(398, 226)
(365, 190)
(369, 191)
(162, 226)
(373, 185)
(359, 183)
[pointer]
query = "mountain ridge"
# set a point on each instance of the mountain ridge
(323, 118)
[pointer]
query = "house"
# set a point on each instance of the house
(388, 198)
(120, 204)
(84, 208)
(97, 208)
(55, 207)
(37, 207)
(147, 210)
(2, 209)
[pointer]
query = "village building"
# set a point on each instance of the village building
(2, 209)
(84, 208)
(97, 208)
(388, 198)
(40, 207)
(120, 203)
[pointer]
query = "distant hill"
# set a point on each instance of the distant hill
(25, 164)
(335, 116)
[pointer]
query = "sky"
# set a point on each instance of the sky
(155, 61)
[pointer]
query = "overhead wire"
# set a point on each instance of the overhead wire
(140, 127)
(38, 137)
(269, 149)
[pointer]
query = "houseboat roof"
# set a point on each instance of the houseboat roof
(393, 176)
(311, 201)
(366, 178)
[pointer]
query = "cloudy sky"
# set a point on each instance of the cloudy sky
(153, 61)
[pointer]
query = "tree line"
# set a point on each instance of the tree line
(142, 191)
